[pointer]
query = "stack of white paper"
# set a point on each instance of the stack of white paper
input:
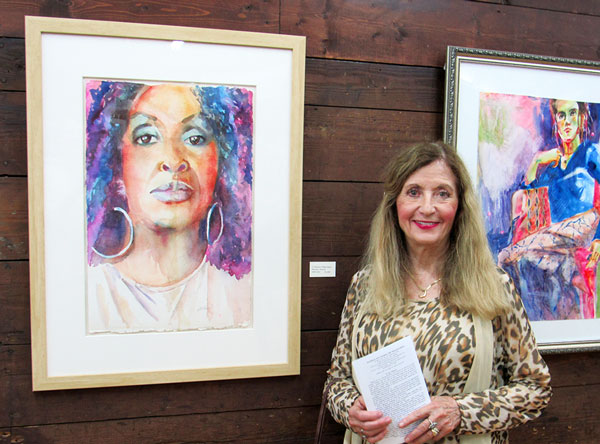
(391, 381)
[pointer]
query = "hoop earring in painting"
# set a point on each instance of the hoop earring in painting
(128, 246)
(208, 223)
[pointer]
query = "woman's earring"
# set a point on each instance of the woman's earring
(209, 220)
(128, 246)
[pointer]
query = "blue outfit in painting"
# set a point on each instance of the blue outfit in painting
(544, 263)
(571, 191)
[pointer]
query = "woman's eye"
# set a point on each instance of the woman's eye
(444, 194)
(145, 135)
(196, 140)
(413, 192)
(146, 139)
(194, 137)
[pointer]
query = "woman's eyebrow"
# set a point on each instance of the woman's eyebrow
(197, 120)
(141, 118)
(195, 117)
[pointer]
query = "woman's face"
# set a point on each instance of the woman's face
(170, 159)
(567, 119)
(427, 205)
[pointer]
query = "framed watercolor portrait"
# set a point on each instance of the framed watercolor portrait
(165, 202)
(528, 128)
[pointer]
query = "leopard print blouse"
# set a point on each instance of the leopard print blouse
(443, 337)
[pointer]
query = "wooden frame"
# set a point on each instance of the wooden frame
(60, 55)
(499, 115)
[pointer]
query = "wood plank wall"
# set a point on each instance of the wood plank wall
(374, 82)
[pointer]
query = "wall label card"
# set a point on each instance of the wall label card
(321, 269)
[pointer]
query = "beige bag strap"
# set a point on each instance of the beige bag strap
(481, 370)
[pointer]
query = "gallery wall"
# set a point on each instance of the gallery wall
(374, 83)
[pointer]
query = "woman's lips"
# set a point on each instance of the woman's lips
(172, 192)
(425, 225)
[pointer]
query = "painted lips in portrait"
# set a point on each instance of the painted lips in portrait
(172, 192)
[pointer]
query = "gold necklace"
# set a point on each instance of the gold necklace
(426, 289)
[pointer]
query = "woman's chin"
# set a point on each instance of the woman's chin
(172, 223)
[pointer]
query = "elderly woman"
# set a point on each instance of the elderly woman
(169, 207)
(429, 274)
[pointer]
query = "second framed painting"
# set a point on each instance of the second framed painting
(528, 128)
(165, 202)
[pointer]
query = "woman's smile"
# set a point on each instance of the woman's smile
(425, 225)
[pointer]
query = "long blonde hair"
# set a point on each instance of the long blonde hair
(470, 278)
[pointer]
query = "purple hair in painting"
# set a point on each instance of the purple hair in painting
(229, 111)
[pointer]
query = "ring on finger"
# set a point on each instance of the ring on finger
(362, 433)
(432, 424)
(434, 431)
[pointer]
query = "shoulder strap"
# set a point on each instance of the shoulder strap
(322, 409)
(481, 370)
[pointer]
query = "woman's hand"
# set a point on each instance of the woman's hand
(442, 411)
(595, 256)
(372, 426)
(552, 156)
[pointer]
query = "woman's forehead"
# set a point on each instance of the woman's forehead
(566, 105)
(436, 171)
(167, 102)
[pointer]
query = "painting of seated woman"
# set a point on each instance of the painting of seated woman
(540, 175)
(169, 206)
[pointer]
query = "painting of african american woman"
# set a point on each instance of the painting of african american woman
(169, 206)
(529, 129)
(165, 202)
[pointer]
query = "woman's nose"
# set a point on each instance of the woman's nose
(174, 167)
(174, 158)
(427, 206)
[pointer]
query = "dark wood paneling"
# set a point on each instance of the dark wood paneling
(344, 144)
(13, 218)
(336, 217)
(555, 426)
(573, 6)
(24, 407)
(373, 85)
(288, 425)
(571, 417)
(323, 298)
(12, 64)
(417, 33)
(14, 303)
(242, 15)
(13, 145)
